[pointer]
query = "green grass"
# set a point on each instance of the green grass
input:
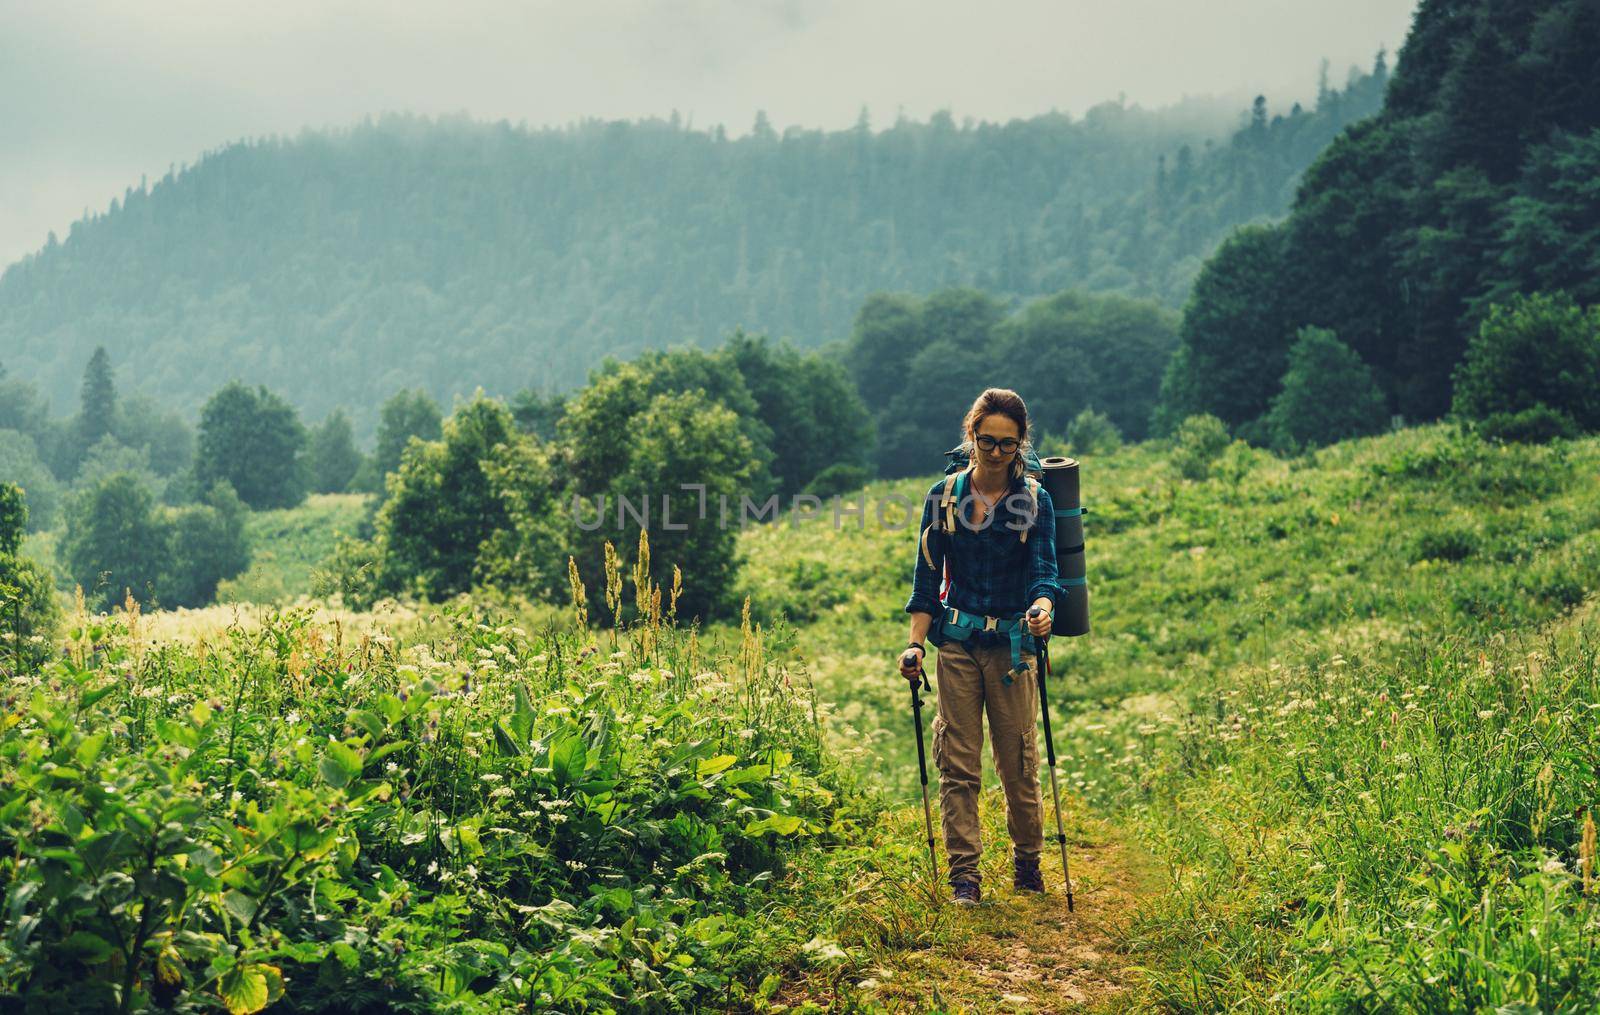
(1307, 691)
(1341, 708)
(287, 545)
(459, 816)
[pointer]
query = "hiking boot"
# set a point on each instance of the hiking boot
(1026, 877)
(966, 893)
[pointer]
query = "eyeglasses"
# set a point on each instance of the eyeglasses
(1006, 446)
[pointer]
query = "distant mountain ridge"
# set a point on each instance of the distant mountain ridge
(338, 267)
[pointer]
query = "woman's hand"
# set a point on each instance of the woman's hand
(1040, 616)
(911, 664)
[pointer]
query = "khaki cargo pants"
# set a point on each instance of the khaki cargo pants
(972, 681)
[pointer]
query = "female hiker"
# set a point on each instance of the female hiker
(999, 558)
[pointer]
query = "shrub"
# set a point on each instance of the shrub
(28, 612)
(1449, 544)
(114, 544)
(837, 480)
(1328, 395)
(1093, 433)
(118, 542)
(681, 439)
(1199, 441)
(441, 508)
(1539, 424)
(1534, 350)
(208, 546)
(20, 463)
(353, 571)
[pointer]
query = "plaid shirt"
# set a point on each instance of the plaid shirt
(992, 571)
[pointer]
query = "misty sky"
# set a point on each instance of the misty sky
(95, 92)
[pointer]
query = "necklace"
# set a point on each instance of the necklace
(988, 502)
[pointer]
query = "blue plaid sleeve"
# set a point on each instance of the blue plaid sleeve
(1042, 576)
(924, 579)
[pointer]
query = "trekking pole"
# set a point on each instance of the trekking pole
(1050, 751)
(922, 771)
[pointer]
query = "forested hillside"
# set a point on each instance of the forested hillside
(340, 267)
(1475, 183)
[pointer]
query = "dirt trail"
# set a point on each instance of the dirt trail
(1016, 952)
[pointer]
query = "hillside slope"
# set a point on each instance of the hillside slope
(338, 267)
(1345, 701)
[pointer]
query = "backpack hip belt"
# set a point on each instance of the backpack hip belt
(955, 625)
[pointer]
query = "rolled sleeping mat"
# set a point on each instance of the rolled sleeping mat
(1072, 610)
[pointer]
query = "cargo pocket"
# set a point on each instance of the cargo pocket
(938, 744)
(1028, 749)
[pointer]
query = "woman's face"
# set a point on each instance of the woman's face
(1002, 436)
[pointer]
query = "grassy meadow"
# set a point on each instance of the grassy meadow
(1346, 702)
(288, 544)
(1330, 746)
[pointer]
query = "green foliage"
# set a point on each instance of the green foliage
(1092, 433)
(110, 457)
(208, 546)
(633, 435)
(351, 570)
(21, 408)
(837, 480)
(1549, 236)
(20, 464)
(528, 279)
(536, 412)
(813, 414)
(678, 440)
(480, 822)
(1451, 543)
(528, 554)
(1465, 467)
(252, 439)
(118, 543)
(331, 456)
(288, 547)
(163, 435)
(442, 507)
(405, 415)
(599, 458)
(104, 421)
(1472, 184)
(1074, 349)
(1235, 337)
(1328, 395)
(114, 544)
(493, 504)
(1539, 424)
(913, 361)
(1197, 445)
(97, 412)
(1539, 350)
(28, 612)
(13, 518)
